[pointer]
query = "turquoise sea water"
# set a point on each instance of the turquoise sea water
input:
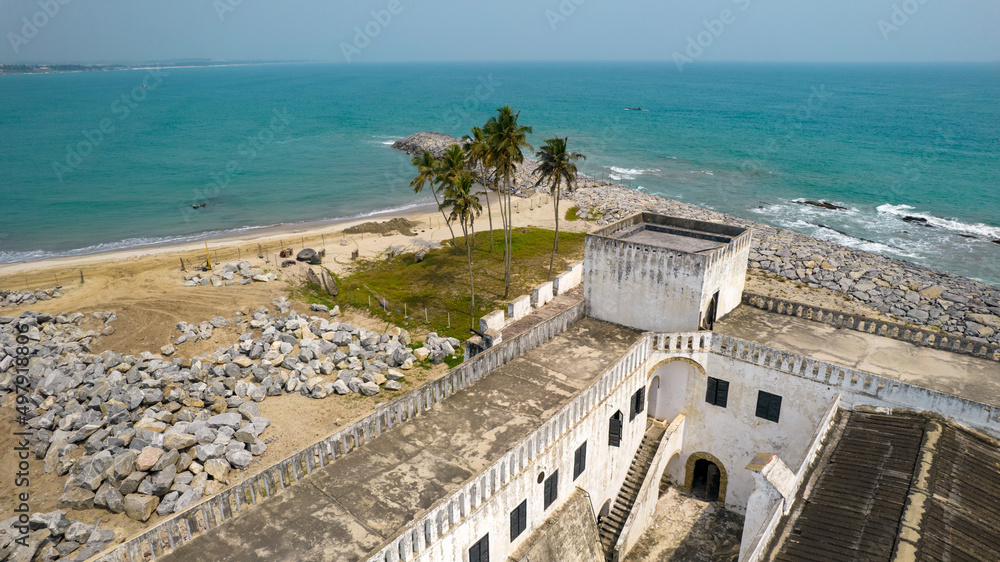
(264, 145)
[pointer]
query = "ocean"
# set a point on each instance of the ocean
(104, 160)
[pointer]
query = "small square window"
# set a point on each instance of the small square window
(480, 552)
(768, 406)
(718, 392)
(580, 460)
(518, 520)
(551, 491)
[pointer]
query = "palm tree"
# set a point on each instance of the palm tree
(555, 166)
(506, 137)
(464, 203)
(477, 153)
(427, 173)
(452, 165)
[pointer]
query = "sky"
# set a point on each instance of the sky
(360, 31)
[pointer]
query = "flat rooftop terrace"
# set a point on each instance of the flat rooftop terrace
(346, 510)
(968, 377)
(674, 238)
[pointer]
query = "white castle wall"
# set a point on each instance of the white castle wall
(642, 287)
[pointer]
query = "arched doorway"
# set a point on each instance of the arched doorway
(668, 387)
(652, 395)
(706, 480)
(605, 510)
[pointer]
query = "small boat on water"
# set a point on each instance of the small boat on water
(633, 109)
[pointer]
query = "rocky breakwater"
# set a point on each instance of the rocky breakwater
(525, 177)
(154, 434)
(15, 297)
(909, 292)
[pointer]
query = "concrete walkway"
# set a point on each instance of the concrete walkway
(349, 508)
(961, 375)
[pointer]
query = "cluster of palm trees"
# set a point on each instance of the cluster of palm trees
(489, 156)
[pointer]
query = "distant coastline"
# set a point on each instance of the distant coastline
(54, 68)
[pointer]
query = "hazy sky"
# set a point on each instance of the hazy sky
(445, 30)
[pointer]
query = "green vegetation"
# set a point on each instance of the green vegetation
(555, 165)
(439, 283)
(573, 214)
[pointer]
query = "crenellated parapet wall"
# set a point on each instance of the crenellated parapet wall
(483, 503)
(229, 503)
(857, 387)
(901, 332)
(663, 273)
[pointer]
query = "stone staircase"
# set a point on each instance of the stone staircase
(611, 526)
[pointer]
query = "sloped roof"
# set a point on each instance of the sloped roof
(900, 483)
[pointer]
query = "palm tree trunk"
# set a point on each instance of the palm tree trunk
(555, 245)
(508, 243)
(472, 283)
(454, 243)
(489, 210)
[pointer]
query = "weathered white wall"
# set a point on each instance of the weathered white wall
(454, 524)
(568, 279)
(641, 286)
(726, 273)
(541, 294)
(641, 515)
(670, 397)
(735, 434)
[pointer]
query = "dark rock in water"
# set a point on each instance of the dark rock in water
(822, 205)
(996, 241)
(917, 220)
(306, 255)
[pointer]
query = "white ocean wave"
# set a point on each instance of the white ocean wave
(978, 229)
(619, 174)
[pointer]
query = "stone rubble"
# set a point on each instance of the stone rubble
(156, 433)
(15, 297)
(909, 292)
(241, 273)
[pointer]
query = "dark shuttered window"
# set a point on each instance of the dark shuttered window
(480, 552)
(615, 430)
(551, 490)
(518, 520)
(718, 392)
(638, 403)
(580, 460)
(768, 406)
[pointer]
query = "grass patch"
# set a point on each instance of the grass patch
(440, 283)
(573, 213)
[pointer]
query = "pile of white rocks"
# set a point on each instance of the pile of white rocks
(907, 291)
(436, 348)
(15, 297)
(241, 273)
